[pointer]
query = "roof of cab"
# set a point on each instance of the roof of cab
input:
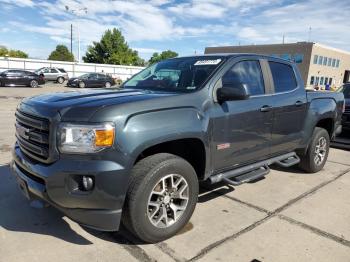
(235, 55)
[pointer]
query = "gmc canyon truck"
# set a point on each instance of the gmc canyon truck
(135, 154)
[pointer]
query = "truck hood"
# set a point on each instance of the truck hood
(80, 105)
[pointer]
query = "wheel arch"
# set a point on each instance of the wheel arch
(192, 149)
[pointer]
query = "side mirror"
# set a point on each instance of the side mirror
(238, 92)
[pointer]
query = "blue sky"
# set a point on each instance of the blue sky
(186, 27)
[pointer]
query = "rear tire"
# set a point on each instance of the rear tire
(82, 85)
(317, 152)
(34, 84)
(60, 80)
(161, 197)
(108, 85)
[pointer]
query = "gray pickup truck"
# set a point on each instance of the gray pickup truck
(135, 154)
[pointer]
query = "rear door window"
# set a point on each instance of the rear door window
(283, 77)
(247, 73)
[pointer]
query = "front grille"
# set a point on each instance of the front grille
(33, 134)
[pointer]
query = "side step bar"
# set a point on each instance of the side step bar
(248, 177)
(290, 161)
(254, 171)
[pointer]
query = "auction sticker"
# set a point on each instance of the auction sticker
(208, 62)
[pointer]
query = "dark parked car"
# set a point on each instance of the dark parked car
(346, 115)
(20, 78)
(135, 154)
(91, 80)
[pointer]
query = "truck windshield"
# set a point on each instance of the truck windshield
(177, 75)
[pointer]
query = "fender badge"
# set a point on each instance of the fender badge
(223, 146)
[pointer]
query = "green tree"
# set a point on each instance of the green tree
(61, 53)
(112, 49)
(163, 55)
(12, 53)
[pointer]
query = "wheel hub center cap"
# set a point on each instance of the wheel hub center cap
(166, 200)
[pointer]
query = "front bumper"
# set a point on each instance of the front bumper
(100, 208)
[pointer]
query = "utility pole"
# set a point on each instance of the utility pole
(283, 39)
(76, 13)
(71, 38)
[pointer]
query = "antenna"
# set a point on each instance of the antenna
(310, 29)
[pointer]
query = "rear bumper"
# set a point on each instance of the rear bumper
(100, 209)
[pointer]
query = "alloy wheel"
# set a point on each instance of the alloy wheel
(168, 200)
(320, 150)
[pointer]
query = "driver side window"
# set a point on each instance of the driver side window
(247, 73)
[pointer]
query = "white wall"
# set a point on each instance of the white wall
(72, 68)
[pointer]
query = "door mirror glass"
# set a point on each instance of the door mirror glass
(237, 92)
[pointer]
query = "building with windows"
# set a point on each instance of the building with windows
(319, 65)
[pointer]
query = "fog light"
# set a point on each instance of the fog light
(88, 183)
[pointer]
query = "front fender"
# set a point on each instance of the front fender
(147, 129)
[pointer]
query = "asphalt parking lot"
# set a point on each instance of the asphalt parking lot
(288, 216)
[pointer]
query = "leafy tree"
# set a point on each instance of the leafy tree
(163, 55)
(61, 53)
(112, 49)
(12, 53)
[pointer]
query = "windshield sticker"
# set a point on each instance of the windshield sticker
(207, 62)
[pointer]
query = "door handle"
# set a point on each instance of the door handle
(299, 103)
(265, 108)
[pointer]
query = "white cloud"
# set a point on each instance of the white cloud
(201, 9)
(249, 33)
(146, 50)
(61, 40)
(20, 3)
(328, 20)
(225, 21)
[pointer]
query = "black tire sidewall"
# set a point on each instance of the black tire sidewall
(318, 133)
(144, 228)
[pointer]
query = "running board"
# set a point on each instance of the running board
(253, 171)
(290, 161)
(248, 177)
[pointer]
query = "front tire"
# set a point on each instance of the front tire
(82, 85)
(161, 197)
(317, 152)
(108, 85)
(34, 84)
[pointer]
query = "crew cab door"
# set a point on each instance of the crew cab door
(289, 107)
(242, 128)
(92, 80)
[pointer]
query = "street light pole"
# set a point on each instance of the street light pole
(76, 12)
(71, 38)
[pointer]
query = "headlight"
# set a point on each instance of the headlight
(76, 138)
